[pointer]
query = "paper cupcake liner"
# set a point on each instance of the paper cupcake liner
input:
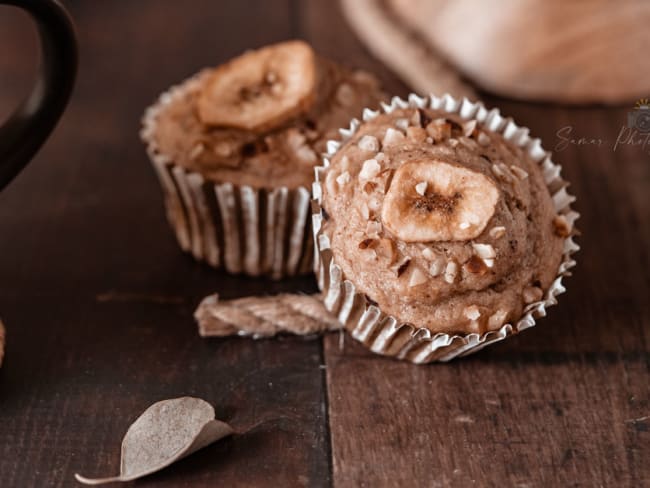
(255, 231)
(383, 333)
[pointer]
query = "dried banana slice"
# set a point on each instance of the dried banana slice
(262, 89)
(436, 201)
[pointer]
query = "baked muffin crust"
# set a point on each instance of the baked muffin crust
(442, 223)
(283, 154)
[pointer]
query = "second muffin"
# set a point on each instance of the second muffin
(235, 147)
(441, 227)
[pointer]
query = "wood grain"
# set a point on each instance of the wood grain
(97, 298)
(564, 404)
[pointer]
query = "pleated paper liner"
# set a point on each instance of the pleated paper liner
(383, 333)
(236, 227)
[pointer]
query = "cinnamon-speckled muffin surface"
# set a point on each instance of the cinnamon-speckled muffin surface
(441, 222)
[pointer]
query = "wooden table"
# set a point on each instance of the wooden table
(98, 301)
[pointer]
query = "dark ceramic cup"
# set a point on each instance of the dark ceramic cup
(25, 131)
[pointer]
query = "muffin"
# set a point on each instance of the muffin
(235, 148)
(440, 227)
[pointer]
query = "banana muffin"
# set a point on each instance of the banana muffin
(235, 149)
(439, 222)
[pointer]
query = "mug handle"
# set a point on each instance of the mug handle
(25, 131)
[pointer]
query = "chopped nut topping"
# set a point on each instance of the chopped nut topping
(468, 143)
(429, 140)
(417, 278)
(305, 153)
(489, 262)
(416, 134)
(421, 188)
(472, 312)
(476, 265)
(343, 178)
(483, 139)
(453, 142)
(370, 169)
(532, 294)
(402, 124)
(222, 149)
(428, 253)
(369, 143)
(380, 157)
(295, 139)
(197, 151)
(439, 129)
(403, 266)
(416, 119)
(373, 228)
(484, 251)
(468, 127)
(437, 267)
(450, 272)
(502, 171)
(497, 319)
(497, 232)
(345, 95)
(521, 174)
(561, 226)
(393, 137)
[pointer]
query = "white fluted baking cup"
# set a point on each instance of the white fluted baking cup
(383, 333)
(255, 231)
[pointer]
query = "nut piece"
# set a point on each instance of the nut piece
(497, 232)
(483, 139)
(469, 127)
(343, 178)
(519, 172)
(437, 267)
(439, 130)
(421, 188)
(261, 89)
(345, 95)
(417, 278)
(497, 319)
(393, 137)
(472, 312)
(561, 226)
(532, 294)
(453, 195)
(402, 124)
(370, 169)
(416, 134)
(484, 251)
(450, 272)
(369, 143)
(428, 253)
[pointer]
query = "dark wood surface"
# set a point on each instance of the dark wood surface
(97, 300)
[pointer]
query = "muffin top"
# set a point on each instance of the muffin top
(440, 222)
(263, 118)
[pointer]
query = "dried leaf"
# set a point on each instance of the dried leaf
(166, 432)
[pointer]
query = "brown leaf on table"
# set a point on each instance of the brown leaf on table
(264, 316)
(166, 432)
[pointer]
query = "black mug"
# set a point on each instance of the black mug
(25, 131)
